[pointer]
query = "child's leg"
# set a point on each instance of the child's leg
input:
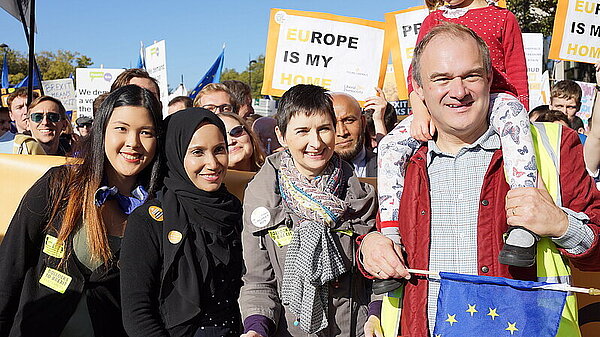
(393, 153)
(510, 120)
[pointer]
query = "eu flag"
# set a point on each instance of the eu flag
(213, 75)
(4, 81)
(36, 79)
(471, 305)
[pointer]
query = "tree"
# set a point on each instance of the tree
(256, 69)
(52, 65)
(534, 16)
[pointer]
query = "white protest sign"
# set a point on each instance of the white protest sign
(588, 95)
(92, 82)
(156, 66)
(63, 90)
(576, 34)
(403, 27)
(533, 43)
(339, 53)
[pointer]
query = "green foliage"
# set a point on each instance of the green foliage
(53, 65)
(534, 16)
(254, 70)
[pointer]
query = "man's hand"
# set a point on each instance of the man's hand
(251, 333)
(382, 258)
(534, 209)
(373, 327)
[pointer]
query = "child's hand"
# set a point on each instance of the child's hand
(422, 127)
(378, 104)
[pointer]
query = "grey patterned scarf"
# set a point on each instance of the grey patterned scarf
(312, 258)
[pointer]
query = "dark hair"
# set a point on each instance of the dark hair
(125, 77)
(240, 91)
(449, 30)
(20, 92)
(98, 102)
(187, 102)
(61, 108)
(78, 187)
(577, 123)
(566, 89)
(538, 110)
(307, 99)
(552, 116)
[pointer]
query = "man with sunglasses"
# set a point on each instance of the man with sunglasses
(47, 120)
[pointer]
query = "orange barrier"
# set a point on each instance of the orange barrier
(19, 172)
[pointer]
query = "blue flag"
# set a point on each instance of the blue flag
(36, 80)
(141, 57)
(4, 82)
(471, 305)
(213, 75)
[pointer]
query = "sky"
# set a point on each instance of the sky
(109, 31)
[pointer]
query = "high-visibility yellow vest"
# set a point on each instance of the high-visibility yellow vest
(551, 266)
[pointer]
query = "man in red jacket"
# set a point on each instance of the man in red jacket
(456, 203)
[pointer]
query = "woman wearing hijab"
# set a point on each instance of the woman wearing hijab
(301, 212)
(181, 257)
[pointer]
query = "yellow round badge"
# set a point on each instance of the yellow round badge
(156, 213)
(174, 237)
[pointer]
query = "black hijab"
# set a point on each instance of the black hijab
(214, 218)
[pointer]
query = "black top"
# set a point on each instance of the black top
(155, 301)
(28, 308)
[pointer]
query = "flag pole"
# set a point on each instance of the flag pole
(29, 35)
(551, 286)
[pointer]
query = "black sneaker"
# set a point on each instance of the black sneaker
(519, 247)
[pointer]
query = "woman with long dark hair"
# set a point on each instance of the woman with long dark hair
(182, 258)
(59, 267)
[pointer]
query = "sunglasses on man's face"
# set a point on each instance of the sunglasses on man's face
(237, 131)
(37, 117)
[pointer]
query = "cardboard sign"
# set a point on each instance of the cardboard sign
(588, 96)
(63, 90)
(576, 34)
(92, 82)
(156, 66)
(339, 53)
(402, 30)
(533, 43)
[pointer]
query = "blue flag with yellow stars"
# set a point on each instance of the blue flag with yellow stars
(471, 305)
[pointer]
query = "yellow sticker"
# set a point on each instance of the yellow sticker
(55, 280)
(282, 236)
(174, 237)
(156, 213)
(53, 248)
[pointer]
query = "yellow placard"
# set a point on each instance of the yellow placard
(401, 45)
(55, 280)
(53, 248)
(342, 54)
(282, 236)
(576, 32)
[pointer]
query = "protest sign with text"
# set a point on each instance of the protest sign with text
(533, 44)
(576, 35)
(339, 53)
(156, 65)
(402, 30)
(92, 82)
(63, 90)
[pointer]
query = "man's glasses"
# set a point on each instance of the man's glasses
(218, 108)
(37, 117)
(86, 125)
(237, 131)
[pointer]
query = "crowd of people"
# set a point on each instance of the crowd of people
(139, 236)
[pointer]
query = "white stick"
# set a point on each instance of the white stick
(552, 286)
